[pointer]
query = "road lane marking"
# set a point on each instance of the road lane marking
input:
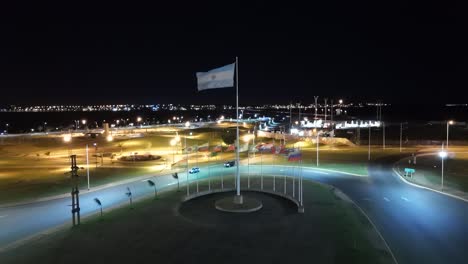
(404, 198)
(321, 172)
(386, 199)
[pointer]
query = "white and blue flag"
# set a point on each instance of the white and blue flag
(217, 78)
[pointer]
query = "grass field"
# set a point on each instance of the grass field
(330, 231)
(37, 167)
(428, 171)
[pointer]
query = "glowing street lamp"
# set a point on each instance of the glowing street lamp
(67, 138)
(442, 154)
(450, 122)
(246, 139)
(187, 125)
(139, 120)
(173, 142)
(109, 138)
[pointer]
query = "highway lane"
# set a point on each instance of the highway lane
(420, 226)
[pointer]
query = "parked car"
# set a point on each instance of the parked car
(228, 164)
(194, 170)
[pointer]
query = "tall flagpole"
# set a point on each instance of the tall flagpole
(237, 133)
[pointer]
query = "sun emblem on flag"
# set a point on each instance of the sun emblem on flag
(213, 76)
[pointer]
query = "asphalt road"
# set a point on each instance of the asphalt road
(420, 226)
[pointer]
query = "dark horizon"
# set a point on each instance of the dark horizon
(63, 54)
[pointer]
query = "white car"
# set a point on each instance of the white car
(194, 170)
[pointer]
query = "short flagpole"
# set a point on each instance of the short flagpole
(237, 131)
(293, 184)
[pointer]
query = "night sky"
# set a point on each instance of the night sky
(130, 53)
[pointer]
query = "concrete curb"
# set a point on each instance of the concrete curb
(300, 208)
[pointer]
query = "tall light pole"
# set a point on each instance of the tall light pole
(401, 135)
(95, 153)
(450, 122)
(138, 120)
(87, 164)
(442, 155)
(290, 117)
(83, 121)
(316, 107)
(326, 99)
(67, 139)
(173, 143)
(383, 135)
(246, 140)
(187, 125)
(317, 143)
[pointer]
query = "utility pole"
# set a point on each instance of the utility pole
(290, 117)
(326, 109)
(299, 106)
(75, 192)
(316, 107)
(317, 143)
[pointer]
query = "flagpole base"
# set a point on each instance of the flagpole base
(238, 204)
(238, 199)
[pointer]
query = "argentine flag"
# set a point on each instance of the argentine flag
(217, 78)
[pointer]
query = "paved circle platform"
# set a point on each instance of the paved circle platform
(232, 204)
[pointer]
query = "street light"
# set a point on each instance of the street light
(187, 125)
(95, 152)
(442, 154)
(109, 138)
(67, 138)
(87, 166)
(246, 140)
(173, 142)
(138, 121)
(450, 122)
